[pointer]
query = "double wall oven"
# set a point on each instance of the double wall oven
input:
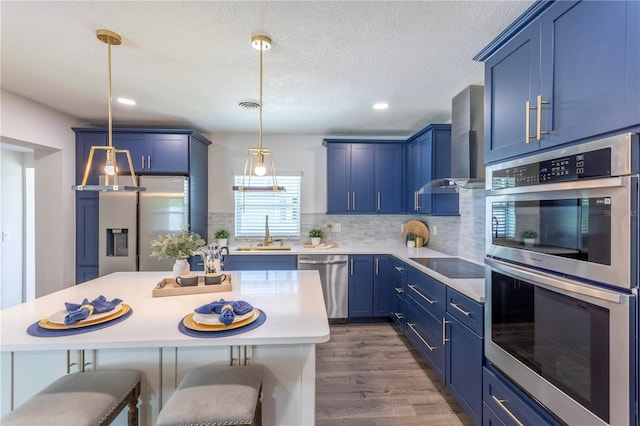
(562, 278)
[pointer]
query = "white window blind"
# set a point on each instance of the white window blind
(283, 208)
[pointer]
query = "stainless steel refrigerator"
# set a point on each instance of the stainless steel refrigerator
(129, 221)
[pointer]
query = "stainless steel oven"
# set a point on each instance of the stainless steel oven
(565, 343)
(562, 278)
(579, 205)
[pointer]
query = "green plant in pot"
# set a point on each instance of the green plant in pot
(411, 240)
(316, 235)
(529, 237)
(179, 246)
(222, 235)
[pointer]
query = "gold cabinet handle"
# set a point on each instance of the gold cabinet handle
(500, 402)
(539, 131)
(465, 313)
(413, 287)
(527, 121)
(431, 348)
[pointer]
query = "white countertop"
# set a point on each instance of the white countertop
(470, 287)
(292, 301)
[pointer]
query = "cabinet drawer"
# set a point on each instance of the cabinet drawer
(467, 311)
(426, 338)
(427, 293)
(397, 310)
(510, 406)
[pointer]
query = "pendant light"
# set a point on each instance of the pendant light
(111, 39)
(254, 163)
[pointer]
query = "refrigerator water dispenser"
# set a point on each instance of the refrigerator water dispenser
(117, 242)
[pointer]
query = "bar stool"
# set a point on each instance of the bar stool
(216, 395)
(86, 398)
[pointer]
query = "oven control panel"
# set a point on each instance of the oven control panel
(584, 165)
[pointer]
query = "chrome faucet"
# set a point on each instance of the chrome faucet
(267, 237)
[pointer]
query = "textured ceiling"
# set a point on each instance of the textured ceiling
(189, 63)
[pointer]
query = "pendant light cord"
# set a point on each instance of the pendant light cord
(109, 86)
(261, 51)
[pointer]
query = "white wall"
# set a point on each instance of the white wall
(11, 225)
(290, 153)
(49, 133)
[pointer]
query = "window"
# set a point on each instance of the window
(504, 216)
(283, 208)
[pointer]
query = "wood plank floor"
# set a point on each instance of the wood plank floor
(370, 375)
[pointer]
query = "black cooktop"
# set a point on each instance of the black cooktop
(451, 267)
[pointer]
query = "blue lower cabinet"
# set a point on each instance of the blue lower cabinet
(508, 405)
(489, 418)
(425, 337)
(398, 284)
(256, 262)
(361, 286)
(464, 356)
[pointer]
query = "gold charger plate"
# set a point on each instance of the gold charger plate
(44, 323)
(190, 323)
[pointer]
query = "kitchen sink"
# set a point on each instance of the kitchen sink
(264, 248)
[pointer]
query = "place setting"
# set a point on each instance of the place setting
(221, 318)
(77, 318)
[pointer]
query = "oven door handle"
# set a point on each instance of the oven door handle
(565, 286)
(612, 182)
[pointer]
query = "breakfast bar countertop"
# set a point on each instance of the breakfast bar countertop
(291, 300)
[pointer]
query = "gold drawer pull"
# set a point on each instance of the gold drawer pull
(500, 402)
(411, 326)
(539, 132)
(527, 121)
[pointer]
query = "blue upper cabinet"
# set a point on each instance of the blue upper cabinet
(388, 178)
(563, 72)
(590, 69)
(153, 153)
(512, 82)
(363, 176)
(428, 157)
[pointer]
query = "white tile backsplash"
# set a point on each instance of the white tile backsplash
(461, 235)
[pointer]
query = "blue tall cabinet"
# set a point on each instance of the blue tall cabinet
(153, 151)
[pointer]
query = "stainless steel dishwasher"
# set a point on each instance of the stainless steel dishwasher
(334, 276)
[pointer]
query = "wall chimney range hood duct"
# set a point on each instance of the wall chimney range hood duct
(467, 144)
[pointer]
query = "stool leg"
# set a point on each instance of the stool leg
(133, 406)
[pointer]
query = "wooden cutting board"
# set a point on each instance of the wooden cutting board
(417, 228)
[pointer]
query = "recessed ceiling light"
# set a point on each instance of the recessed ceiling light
(249, 104)
(126, 101)
(381, 105)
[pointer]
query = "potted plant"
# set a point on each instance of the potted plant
(316, 235)
(529, 237)
(411, 240)
(222, 235)
(179, 246)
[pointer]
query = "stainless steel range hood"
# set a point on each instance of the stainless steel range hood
(467, 143)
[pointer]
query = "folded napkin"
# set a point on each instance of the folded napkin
(226, 309)
(78, 312)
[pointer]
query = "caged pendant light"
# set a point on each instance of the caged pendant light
(111, 39)
(255, 162)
